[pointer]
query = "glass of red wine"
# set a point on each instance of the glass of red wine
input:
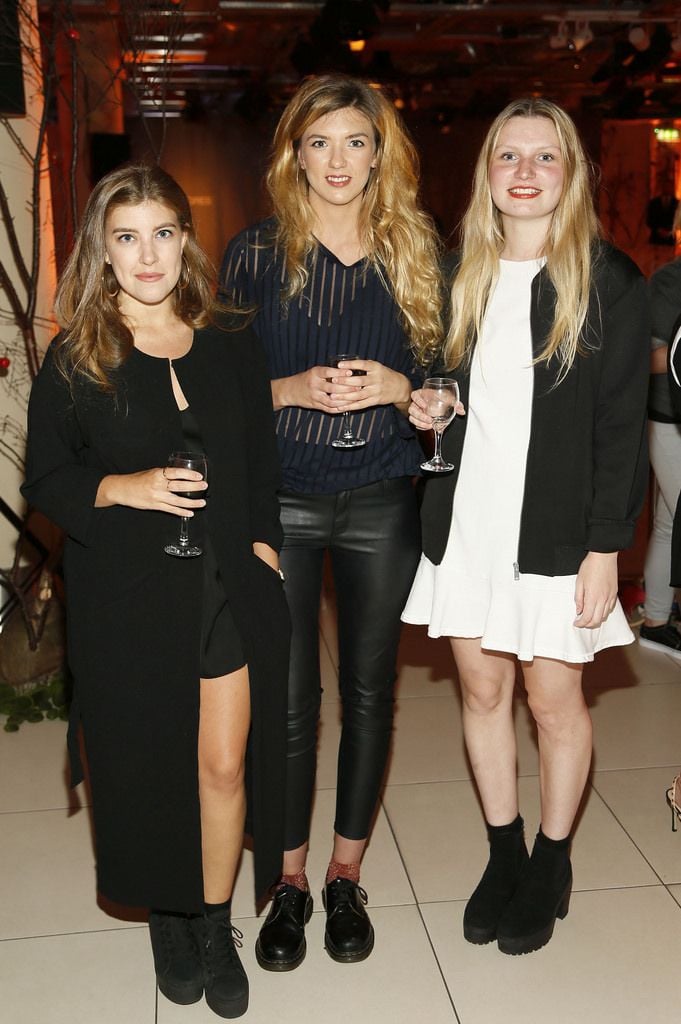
(182, 548)
(347, 438)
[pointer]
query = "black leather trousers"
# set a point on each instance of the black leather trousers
(373, 537)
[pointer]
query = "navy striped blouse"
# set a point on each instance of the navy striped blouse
(342, 309)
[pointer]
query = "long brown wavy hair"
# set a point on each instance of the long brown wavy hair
(568, 248)
(398, 238)
(95, 339)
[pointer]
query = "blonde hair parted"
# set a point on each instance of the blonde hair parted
(398, 238)
(95, 339)
(568, 248)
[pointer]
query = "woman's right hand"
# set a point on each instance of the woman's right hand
(311, 389)
(418, 416)
(153, 489)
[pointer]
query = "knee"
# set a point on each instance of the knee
(485, 695)
(369, 708)
(222, 772)
(554, 714)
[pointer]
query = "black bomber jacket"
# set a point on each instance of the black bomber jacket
(587, 470)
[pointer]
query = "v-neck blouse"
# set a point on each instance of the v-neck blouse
(343, 308)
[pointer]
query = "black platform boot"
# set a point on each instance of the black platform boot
(507, 857)
(281, 944)
(542, 895)
(177, 958)
(225, 979)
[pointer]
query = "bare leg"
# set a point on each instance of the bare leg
(487, 679)
(554, 691)
(223, 732)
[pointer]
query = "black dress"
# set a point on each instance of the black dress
(135, 614)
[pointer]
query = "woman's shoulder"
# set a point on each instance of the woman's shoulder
(261, 235)
(612, 267)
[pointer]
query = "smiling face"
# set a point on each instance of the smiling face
(337, 153)
(144, 246)
(526, 172)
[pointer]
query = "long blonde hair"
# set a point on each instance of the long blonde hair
(397, 236)
(95, 339)
(568, 248)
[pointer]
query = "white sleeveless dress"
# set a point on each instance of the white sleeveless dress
(477, 590)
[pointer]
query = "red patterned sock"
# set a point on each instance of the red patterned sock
(299, 880)
(337, 870)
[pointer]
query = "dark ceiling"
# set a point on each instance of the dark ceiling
(621, 57)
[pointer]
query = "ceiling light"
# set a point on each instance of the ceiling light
(675, 42)
(639, 38)
(582, 35)
(357, 45)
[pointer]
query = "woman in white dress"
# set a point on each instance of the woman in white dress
(549, 342)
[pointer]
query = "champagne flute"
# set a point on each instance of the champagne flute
(441, 395)
(346, 438)
(198, 462)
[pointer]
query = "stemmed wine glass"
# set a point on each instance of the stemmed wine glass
(441, 395)
(346, 438)
(198, 462)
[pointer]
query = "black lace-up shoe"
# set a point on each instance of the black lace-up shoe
(349, 935)
(224, 977)
(177, 958)
(281, 944)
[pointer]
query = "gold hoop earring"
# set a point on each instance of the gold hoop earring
(106, 284)
(183, 279)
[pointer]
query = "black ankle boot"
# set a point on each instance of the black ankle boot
(224, 977)
(349, 935)
(177, 958)
(507, 857)
(281, 944)
(543, 894)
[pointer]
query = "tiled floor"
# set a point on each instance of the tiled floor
(613, 960)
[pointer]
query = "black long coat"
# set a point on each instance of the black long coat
(134, 612)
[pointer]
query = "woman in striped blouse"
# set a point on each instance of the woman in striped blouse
(348, 265)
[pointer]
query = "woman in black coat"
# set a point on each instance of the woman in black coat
(178, 662)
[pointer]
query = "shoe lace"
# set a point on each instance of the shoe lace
(286, 895)
(220, 948)
(347, 889)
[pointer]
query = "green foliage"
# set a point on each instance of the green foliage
(48, 700)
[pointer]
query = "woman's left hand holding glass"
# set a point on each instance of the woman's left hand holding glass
(377, 385)
(595, 589)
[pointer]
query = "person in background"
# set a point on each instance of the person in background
(347, 267)
(175, 659)
(658, 632)
(549, 340)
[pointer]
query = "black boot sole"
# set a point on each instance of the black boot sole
(181, 994)
(518, 945)
(350, 958)
(479, 936)
(279, 965)
(228, 1009)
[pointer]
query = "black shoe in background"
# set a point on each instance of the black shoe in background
(666, 639)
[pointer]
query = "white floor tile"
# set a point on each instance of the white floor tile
(33, 768)
(87, 978)
(388, 988)
(637, 799)
(610, 962)
(441, 835)
(637, 727)
(47, 885)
